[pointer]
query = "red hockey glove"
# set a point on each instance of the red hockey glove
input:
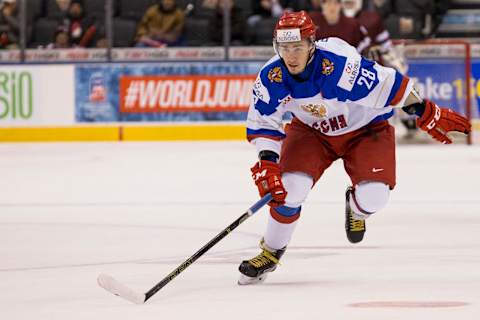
(268, 179)
(437, 122)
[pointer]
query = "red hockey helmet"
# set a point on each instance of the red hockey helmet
(294, 26)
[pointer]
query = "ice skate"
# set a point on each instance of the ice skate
(355, 228)
(255, 270)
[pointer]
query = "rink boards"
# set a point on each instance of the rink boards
(167, 101)
(117, 132)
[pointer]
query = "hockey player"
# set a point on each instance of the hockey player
(340, 103)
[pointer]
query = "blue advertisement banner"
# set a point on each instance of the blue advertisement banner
(443, 81)
(98, 87)
(98, 90)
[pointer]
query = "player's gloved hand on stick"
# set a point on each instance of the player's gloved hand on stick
(268, 179)
(437, 122)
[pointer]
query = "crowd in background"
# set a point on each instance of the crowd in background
(160, 23)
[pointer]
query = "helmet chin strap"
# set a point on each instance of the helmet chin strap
(312, 52)
(310, 58)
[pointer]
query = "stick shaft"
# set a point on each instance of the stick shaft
(259, 204)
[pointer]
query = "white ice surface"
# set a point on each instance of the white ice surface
(69, 212)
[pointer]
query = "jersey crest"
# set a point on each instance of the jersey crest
(275, 74)
(316, 110)
(327, 67)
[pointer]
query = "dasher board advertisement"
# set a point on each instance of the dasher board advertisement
(444, 81)
(165, 92)
(151, 94)
(36, 95)
(203, 92)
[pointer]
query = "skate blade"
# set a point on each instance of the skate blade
(245, 280)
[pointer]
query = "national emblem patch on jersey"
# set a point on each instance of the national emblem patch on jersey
(275, 75)
(327, 67)
(316, 110)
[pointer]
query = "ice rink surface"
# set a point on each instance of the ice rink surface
(137, 210)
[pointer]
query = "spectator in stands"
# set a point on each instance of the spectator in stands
(162, 25)
(381, 48)
(408, 18)
(9, 25)
(58, 9)
(262, 9)
(381, 6)
(440, 9)
(370, 19)
(237, 23)
(101, 43)
(205, 9)
(100, 40)
(331, 22)
(298, 5)
(61, 40)
(80, 27)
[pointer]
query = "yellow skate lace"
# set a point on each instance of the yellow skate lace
(263, 259)
(356, 225)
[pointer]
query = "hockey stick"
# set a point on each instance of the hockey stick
(110, 284)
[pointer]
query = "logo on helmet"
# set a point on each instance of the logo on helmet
(294, 26)
(288, 35)
(275, 75)
(327, 67)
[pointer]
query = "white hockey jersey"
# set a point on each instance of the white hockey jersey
(338, 92)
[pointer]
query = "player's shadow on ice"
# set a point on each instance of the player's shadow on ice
(296, 284)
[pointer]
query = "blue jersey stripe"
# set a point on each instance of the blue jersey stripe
(382, 117)
(265, 132)
(395, 88)
(265, 108)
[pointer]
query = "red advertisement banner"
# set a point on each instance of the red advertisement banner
(149, 94)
